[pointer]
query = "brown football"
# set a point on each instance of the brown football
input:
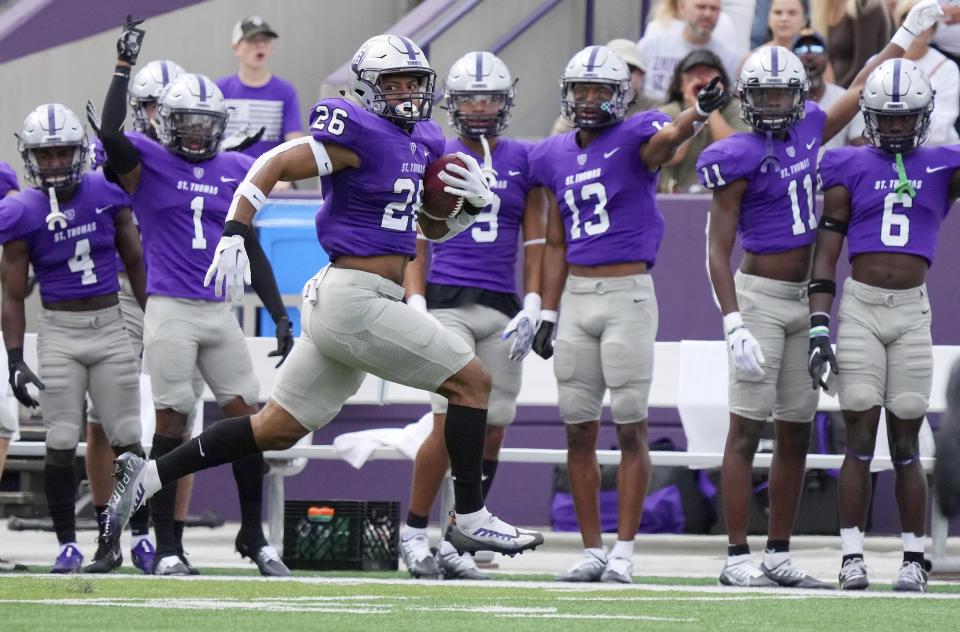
(436, 201)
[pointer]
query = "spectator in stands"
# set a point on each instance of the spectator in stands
(946, 38)
(256, 97)
(660, 52)
(694, 72)
(637, 100)
(666, 18)
(786, 19)
(856, 30)
(811, 48)
(8, 419)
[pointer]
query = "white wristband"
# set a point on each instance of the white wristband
(417, 302)
(700, 111)
(903, 38)
(731, 322)
(548, 315)
(253, 194)
(531, 303)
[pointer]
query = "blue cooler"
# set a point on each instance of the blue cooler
(289, 237)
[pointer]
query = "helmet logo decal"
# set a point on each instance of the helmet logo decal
(582, 159)
(413, 149)
(791, 151)
(896, 80)
(198, 172)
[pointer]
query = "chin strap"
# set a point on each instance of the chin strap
(770, 158)
(55, 220)
(903, 186)
(488, 171)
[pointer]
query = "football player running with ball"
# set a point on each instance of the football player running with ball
(479, 303)
(888, 199)
(181, 189)
(606, 233)
(764, 183)
(378, 140)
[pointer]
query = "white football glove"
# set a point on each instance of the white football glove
(232, 268)
(524, 325)
(468, 183)
(922, 16)
(747, 355)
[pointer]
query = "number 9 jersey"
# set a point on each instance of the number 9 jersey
(605, 192)
(371, 210)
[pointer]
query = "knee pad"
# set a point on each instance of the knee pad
(627, 405)
(62, 435)
(179, 398)
(124, 433)
(908, 406)
(501, 412)
(859, 397)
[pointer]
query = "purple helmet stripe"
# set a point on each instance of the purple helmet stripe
(165, 75)
(592, 61)
(479, 71)
(51, 119)
(896, 80)
(411, 51)
(203, 88)
(774, 61)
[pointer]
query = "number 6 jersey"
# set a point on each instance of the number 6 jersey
(605, 194)
(371, 210)
(776, 211)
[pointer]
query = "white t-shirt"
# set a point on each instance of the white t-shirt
(662, 51)
(947, 36)
(725, 30)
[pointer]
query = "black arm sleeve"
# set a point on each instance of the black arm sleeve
(261, 273)
(122, 155)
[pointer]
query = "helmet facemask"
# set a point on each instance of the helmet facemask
(592, 114)
(60, 177)
(142, 121)
(404, 108)
(896, 131)
(896, 102)
(59, 133)
(772, 108)
(193, 134)
(476, 114)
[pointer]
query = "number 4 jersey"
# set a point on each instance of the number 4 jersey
(371, 210)
(605, 194)
(882, 220)
(76, 260)
(776, 211)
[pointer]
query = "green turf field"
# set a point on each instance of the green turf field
(394, 603)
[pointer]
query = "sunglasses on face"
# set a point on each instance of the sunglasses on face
(816, 49)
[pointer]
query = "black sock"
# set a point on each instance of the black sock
(224, 442)
(489, 469)
(178, 526)
(463, 434)
(162, 503)
(140, 520)
(738, 549)
(417, 522)
(248, 473)
(913, 556)
(778, 546)
(60, 488)
(851, 556)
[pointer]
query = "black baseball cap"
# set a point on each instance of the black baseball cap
(250, 26)
(698, 57)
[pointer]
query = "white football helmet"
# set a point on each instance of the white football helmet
(53, 125)
(191, 115)
(478, 78)
(144, 89)
(773, 88)
(388, 55)
(595, 64)
(896, 102)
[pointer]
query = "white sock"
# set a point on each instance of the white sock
(733, 560)
(151, 479)
(623, 548)
(446, 548)
(471, 521)
(774, 559)
(409, 532)
(851, 541)
(137, 539)
(912, 543)
(66, 544)
(599, 553)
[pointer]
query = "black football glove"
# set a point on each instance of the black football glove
(821, 361)
(543, 340)
(93, 117)
(284, 340)
(711, 97)
(128, 46)
(20, 376)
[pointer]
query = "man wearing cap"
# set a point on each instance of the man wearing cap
(811, 47)
(694, 72)
(255, 97)
(637, 101)
(660, 52)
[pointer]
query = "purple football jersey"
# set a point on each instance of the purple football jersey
(371, 210)
(882, 220)
(485, 255)
(8, 179)
(77, 261)
(181, 207)
(605, 194)
(776, 211)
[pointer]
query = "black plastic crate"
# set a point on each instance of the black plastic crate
(362, 535)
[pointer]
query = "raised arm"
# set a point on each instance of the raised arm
(123, 158)
(660, 148)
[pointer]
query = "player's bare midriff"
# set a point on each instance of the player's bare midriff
(391, 267)
(610, 269)
(86, 304)
(790, 265)
(889, 270)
